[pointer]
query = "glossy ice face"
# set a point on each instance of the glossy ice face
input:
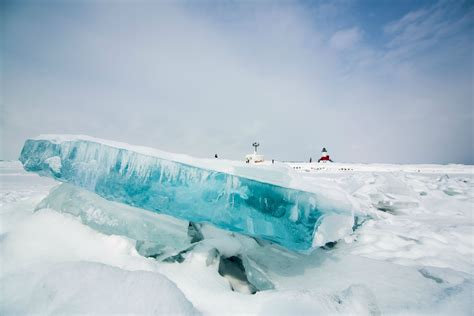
(285, 216)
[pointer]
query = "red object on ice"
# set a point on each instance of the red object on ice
(324, 156)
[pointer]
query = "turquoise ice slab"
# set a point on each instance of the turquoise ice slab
(285, 216)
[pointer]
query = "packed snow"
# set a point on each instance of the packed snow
(65, 250)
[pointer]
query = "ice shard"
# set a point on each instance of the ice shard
(185, 188)
(156, 234)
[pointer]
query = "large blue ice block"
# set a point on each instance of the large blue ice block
(285, 216)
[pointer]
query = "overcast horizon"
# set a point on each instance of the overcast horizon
(372, 81)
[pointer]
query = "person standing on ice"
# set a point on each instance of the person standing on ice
(324, 156)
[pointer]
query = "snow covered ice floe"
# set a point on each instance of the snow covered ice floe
(267, 202)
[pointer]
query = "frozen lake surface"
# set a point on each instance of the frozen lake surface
(70, 251)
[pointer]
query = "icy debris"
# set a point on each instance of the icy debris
(248, 201)
(393, 205)
(453, 187)
(151, 249)
(233, 270)
(230, 250)
(178, 257)
(194, 232)
(256, 274)
(385, 192)
(332, 228)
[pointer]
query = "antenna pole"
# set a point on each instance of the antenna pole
(255, 145)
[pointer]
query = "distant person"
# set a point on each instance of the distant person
(310, 160)
(273, 161)
(215, 156)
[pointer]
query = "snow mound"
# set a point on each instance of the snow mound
(355, 300)
(88, 288)
(49, 237)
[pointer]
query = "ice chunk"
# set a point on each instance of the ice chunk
(256, 275)
(155, 233)
(233, 270)
(393, 205)
(333, 228)
(194, 232)
(152, 180)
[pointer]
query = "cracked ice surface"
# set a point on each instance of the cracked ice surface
(267, 202)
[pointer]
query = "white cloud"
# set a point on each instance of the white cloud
(345, 39)
(423, 28)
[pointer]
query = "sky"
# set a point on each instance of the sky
(372, 81)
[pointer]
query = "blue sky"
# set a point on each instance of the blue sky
(373, 81)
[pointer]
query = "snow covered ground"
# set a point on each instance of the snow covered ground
(412, 252)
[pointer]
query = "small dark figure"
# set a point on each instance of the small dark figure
(273, 160)
(215, 156)
(310, 160)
